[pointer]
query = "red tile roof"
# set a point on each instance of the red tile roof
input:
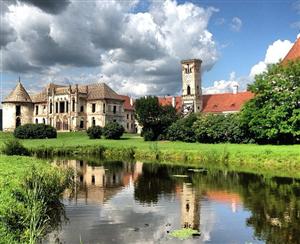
(127, 105)
(215, 103)
(164, 101)
(294, 53)
(226, 102)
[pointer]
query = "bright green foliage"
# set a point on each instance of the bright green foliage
(94, 132)
(181, 130)
(29, 198)
(35, 131)
(212, 128)
(184, 233)
(14, 147)
(154, 118)
(273, 116)
(113, 130)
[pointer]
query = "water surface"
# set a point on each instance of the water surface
(120, 202)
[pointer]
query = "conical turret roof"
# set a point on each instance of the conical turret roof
(19, 94)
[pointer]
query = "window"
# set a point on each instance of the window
(114, 109)
(50, 121)
(18, 110)
(61, 107)
(36, 121)
(188, 90)
(127, 116)
(81, 125)
(56, 107)
(104, 108)
(44, 121)
(73, 105)
(18, 122)
(93, 121)
(51, 108)
(37, 110)
(81, 108)
(93, 107)
(93, 180)
(67, 106)
(132, 117)
(81, 163)
(127, 125)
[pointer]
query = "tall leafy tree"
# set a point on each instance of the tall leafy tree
(154, 118)
(273, 115)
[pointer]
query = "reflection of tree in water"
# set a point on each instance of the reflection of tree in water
(155, 180)
(274, 203)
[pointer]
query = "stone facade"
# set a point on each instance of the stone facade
(191, 86)
(68, 108)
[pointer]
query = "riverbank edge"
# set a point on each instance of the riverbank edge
(269, 164)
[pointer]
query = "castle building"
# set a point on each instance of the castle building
(68, 108)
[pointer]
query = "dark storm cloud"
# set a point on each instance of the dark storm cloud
(7, 34)
(49, 6)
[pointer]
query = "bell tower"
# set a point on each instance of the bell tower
(191, 86)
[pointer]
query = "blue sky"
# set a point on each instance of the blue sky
(127, 44)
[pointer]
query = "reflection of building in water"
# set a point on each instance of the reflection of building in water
(231, 198)
(98, 184)
(190, 207)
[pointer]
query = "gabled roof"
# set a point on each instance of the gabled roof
(167, 100)
(101, 91)
(40, 97)
(294, 53)
(19, 94)
(127, 105)
(226, 102)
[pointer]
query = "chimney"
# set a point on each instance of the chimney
(131, 101)
(235, 88)
(174, 102)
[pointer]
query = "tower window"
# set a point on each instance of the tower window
(115, 109)
(81, 125)
(18, 110)
(81, 108)
(93, 121)
(56, 107)
(51, 108)
(36, 121)
(104, 108)
(188, 90)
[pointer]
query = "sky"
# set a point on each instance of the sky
(136, 46)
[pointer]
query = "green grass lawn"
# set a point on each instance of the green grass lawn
(131, 140)
(278, 159)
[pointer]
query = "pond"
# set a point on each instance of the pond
(122, 202)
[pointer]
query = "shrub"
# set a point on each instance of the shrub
(149, 135)
(14, 147)
(219, 128)
(35, 131)
(94, 132)
(113, 130)
(182, 130)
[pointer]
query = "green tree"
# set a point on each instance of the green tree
(154, 118)
(273, 115)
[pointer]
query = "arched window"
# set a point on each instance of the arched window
(44, 121)
(93, 121)
(73, 105)
(18, 121)
(36, 121)
(188, 90)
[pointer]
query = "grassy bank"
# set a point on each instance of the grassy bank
(29, 198)
(284, 159)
